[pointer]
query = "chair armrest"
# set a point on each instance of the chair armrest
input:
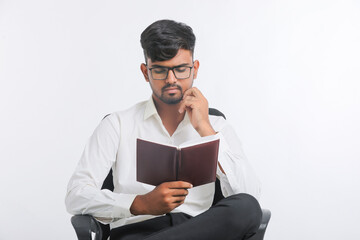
(266, 214)
(265, 219)
(85, 225)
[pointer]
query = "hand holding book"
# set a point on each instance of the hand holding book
(163, 199)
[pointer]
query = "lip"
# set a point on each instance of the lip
(171, 89)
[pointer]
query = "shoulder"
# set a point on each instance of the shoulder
(114, 121)
(135, 111)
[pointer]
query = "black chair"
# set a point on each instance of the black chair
(86, 225)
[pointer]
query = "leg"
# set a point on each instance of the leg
(140, 230)
(235, 217)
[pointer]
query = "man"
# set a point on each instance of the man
(175, 113)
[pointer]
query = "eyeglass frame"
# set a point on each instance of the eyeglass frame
(172, 69)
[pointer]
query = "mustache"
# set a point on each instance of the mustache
(171, 86)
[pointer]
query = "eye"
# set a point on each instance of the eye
(180, 69)
(159, 70)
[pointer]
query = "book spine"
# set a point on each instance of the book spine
(178, 162)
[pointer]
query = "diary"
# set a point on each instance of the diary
(194, 161)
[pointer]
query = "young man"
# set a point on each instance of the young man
(175, 113)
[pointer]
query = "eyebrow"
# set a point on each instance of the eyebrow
(160, 66)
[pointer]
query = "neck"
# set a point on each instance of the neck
(169, 114)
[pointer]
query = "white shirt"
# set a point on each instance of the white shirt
(113, 145)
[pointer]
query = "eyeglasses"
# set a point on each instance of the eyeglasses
(161, 73)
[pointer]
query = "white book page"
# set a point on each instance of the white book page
(188, 143)
(199, 141)
(164, 144)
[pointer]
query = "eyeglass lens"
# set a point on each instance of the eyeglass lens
(161, 73)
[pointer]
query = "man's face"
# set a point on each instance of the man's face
(171, 89)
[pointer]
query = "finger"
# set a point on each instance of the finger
(179, 184)
(185, 102)
(179, 200)
(194, 91)
(173, 206)
(186, 99)
(189, 102)
(189, 99)
(186, 105)
(182, 107)
(179, 192)
(189, 92)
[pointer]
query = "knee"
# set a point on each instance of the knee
(243, 210)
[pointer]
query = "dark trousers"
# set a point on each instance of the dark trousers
(234, 217)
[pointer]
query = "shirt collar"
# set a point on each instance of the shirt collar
(150, 110)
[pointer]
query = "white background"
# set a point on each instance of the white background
(285, 73)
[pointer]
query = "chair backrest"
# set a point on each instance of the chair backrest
(109, 184)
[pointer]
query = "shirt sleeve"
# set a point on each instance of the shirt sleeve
(84, 194)
(239, 176)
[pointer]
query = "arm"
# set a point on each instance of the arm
(237, 175)
(84, 194)
(234, 171)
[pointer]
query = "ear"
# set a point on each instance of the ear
(144, 71)
(196, 68)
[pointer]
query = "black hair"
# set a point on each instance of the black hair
(162, 40)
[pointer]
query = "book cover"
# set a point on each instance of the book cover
(194, 162)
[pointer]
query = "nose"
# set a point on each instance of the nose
(171, 77)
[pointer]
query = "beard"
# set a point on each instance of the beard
(171, 98)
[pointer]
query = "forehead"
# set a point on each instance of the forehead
(182, 57)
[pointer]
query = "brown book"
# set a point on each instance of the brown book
(195, 163)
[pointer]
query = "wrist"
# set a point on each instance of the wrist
(137, 207)
(205, 130)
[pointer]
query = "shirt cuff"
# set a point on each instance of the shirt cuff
(226, 178)
(223, 147)
(122, 205)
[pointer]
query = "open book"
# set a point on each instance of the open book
(194, 161)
